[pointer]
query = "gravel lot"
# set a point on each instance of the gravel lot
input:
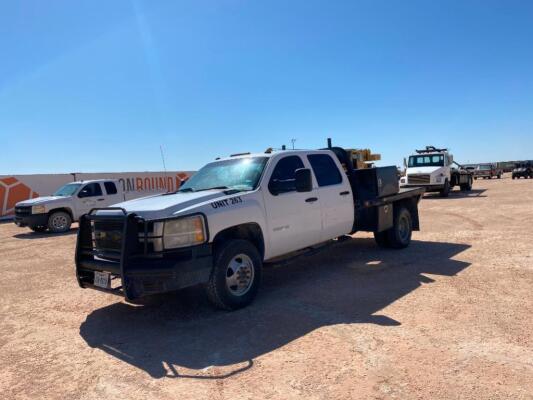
(449, 317)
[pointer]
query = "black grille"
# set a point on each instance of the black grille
(108, 235)
(22, 211)
(418, 178)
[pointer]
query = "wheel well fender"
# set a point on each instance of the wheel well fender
(64, 209)
(411, 205)
(249, 231)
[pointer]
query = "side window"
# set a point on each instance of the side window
(91, 190)
(110, 187)
(282, 179)
(325, 169)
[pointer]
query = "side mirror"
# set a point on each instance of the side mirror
(405, 162)
(83, 193)
(303, 180)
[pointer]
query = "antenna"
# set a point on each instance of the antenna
(292, 141)
(163, 159)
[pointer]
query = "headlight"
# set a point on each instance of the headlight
(183, 232)
(38, 209)
(402, 180)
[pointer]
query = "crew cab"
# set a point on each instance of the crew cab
(436, 171)
(487, 171)
(57, 212)
(236, 214)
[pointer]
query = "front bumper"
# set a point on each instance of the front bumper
(31, 220)
(429, 188)
(134, 271)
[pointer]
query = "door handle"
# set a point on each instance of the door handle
(311, 199)
(344, 193)
(101, 199)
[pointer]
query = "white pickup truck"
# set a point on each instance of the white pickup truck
(57, 212)
(236, 214)
(436, 171)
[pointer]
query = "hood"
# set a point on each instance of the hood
(165, 205)
(40, 200)
(424, 170)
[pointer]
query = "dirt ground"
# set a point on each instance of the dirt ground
(448, 318)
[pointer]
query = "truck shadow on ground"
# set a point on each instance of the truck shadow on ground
(180, 335)
(38, 235)
(457, 194)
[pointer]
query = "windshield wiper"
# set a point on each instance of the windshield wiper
(212, 188)
(184, 190)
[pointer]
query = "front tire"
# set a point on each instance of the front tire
(59, 222)
(446, 190)
(236, 275)
(466, 187)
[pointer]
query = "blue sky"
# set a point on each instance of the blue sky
(100, 85)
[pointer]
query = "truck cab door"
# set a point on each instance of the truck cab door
(88, 197)
(293, 218)
(335, 193)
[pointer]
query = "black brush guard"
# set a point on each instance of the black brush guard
(118, 243)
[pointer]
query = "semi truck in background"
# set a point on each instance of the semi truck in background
(435, 170)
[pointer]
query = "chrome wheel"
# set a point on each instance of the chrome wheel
(240, 274)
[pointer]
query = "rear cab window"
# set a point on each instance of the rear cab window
(110, 188)
(326, 171)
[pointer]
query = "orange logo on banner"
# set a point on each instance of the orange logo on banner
(11, 192)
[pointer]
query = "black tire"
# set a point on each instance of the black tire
(382, 239)
(59, 222)
(399, 236)
(466, 187)
(475, 178)
(220, 293)
(39, 229)
(499, 176)
(446, 190)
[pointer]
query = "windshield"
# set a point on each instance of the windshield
(67, 190)
(238, 174)
(484, 167)
(436, 160)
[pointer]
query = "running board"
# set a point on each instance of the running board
(309, 251)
